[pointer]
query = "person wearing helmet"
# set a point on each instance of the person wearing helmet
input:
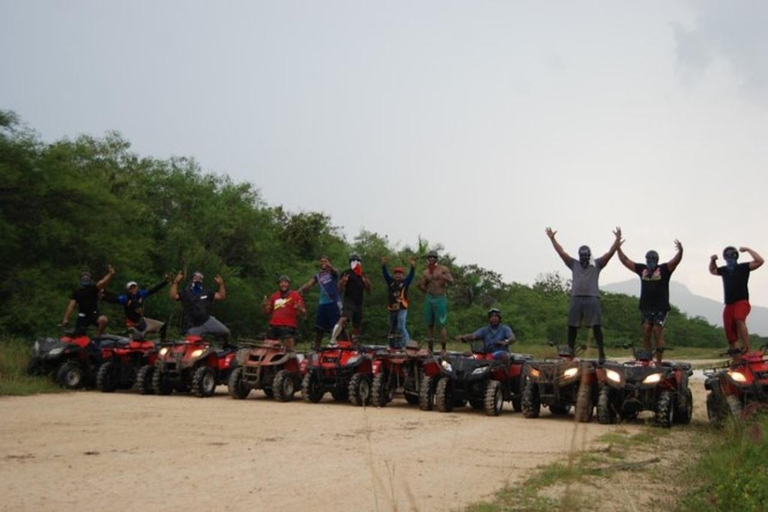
(397, 301)
(197, 304)
(86, 298)
(329, 305)
(353, 284)
(283, 307)
(654, 294)
(735, 277)
(585, 291)
(133, 309)
(496, 336)
(434, 281)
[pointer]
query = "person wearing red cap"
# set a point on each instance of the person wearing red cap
(397, 301)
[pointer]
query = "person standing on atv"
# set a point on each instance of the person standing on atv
(654, 294)
(353, 284)
(585, 291)
(735, 287)
(397, 300)
(329, 305)
(283, 307)
(86, 298)
(133, 309)
(433, 283)
(197, 303)
(496, 336)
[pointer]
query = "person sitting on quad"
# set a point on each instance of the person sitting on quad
(397, 300)
(197, 303)
(86, 297)
(329, 305)
(585, 291)
(735, 287)
(283, 307)
(133, 309)
(353, 284)
(496, 336)
(654, 294)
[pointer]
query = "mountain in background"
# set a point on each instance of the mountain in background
(695, 305)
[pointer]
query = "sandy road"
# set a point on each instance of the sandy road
(95, 451)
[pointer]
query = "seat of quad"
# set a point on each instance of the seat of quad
(520, 357)
(112, 341)
(676, 364)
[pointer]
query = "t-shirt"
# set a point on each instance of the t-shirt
(284, 308)
(328, 281)
(492, 335)
(87, 298)
(735, 284)
(197, 307)
(397, 298)
(654, 287)
(584, 281)
(355, 288)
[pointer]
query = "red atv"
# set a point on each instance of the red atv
(739, 390)
(127, 365)
(561, 383)
(72, 360)
(193, 364)
(641, 384)
(398, 372)
(269, 367)
(344, 369)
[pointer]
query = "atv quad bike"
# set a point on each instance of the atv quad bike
(398, 372)
(192, 364)
(343, 368)
(738, 390)
(126, 366)
(266, 365)
(561, 383)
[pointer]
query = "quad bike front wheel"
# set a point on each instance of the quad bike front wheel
(70, 376)
(310, 389)
(161, 384)
(359, 390)
(444, 395)
(144, 380)
(235, 386)
(106, 378)
(531, 403)
(380, 392)
(203, 382)
(683, 407)
(494, 398)
(585, 406)
(664, 410)
(427, 394)
(283, 386)
(606, 414)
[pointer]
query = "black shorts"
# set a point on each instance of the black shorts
(279, 332)
(654, 317)
(85, 320)
(352, 311)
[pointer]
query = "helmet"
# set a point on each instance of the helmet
(432, 254)
(494, 311)
(283, 278)
(355, 257)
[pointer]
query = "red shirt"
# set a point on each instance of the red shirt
(284, 309)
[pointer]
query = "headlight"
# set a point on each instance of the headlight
(737, 376)
(613, 375)
(56, 351)
(163, 351)
(534, 373)
(653, 378)
(479, 371)
(196, 353)
(571, 372)
(446, 366)
(353, 360)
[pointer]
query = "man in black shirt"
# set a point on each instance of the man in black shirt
(197, 303)
(735, 286)
(86, 297)
(353, 283)
(654, 294)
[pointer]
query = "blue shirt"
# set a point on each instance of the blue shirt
(328, 282)
(491, 335)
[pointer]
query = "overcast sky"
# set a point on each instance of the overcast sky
(472, 124)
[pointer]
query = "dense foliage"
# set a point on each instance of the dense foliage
(89, 202)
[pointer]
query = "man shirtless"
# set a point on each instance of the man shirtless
(433, 282)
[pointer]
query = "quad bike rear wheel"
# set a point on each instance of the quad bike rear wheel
(106, 378)
(427, 394)
(203, 382)
(284, 386)
(585, 406)
(70, 376)
(683, 407)
(606, 414)
(380, 392)
(359, 390)
(310, 389)
(235, 386)
(494, 398)
(664, 410)
(531, 403)
(443, 395)
(144, 380)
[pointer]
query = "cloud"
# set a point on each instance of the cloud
(733, 32)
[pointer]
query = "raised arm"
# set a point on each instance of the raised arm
(221, 294)
(107, 278)
(757, 260)
(159, 286)
(174, 291)
(605, 258)
(713, 265)
(558, 248)
(677, 258)
(411, 272)
(626, 261)
(384, 271)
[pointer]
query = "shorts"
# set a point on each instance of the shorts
(739, 310)
(436, 310)
(584, 309)
(85, 320)
(327, 316)
(653, 317)
(352, 311)
(280, 332)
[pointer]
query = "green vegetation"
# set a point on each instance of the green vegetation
(88, 202)
(14, 356)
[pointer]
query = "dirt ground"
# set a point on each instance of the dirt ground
(95, 451)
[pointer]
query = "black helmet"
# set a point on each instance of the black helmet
(494, 311)
(432, 254)
(355, 257)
